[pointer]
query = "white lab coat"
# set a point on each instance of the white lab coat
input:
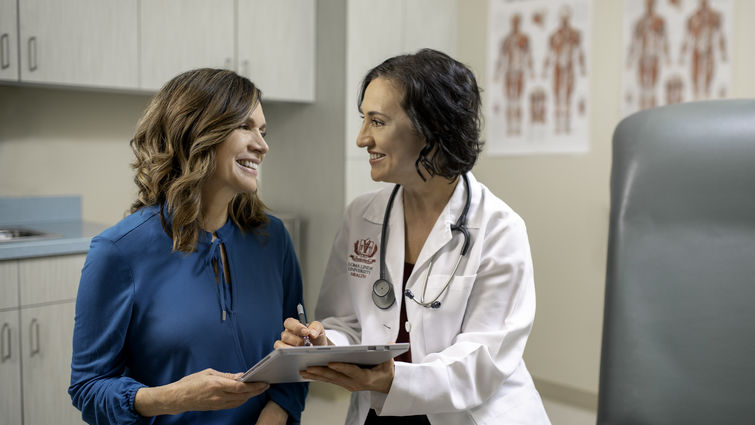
(467, 355)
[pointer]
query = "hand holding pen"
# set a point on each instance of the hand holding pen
(299, 332)
(303, 321)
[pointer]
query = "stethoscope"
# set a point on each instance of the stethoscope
(382, 290)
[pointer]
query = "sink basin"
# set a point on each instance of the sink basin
(18, 234)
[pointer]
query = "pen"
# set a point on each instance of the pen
(303, 320)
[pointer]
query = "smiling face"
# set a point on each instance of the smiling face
(388, 134)
(238, 157)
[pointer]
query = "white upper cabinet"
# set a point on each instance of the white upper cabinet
(179, 35)
(8, 40)
(141, 44)
(276, 47)
(83, 42)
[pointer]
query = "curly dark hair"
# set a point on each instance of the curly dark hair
(442, 100)
(175, 143)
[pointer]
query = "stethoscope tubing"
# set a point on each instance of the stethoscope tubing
(434, 303)
(384, 230)
(382, 291)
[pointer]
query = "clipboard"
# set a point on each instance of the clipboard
(283, 364)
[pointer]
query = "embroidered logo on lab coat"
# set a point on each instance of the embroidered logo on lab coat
(362, 258)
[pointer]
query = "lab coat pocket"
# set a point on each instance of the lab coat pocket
(442, 324)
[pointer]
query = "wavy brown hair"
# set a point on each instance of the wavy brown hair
(175, 145)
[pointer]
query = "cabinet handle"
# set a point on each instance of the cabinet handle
(6, 341)
(245, 68)
(4, 51)
(33, 337)
(32, 48)
(228, 63)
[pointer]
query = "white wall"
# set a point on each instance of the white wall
(565, 201)
(69, 142)
(303, 173)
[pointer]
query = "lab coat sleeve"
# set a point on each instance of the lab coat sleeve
(498, 318)
(290, 396)
(103, 311)
(334, 306)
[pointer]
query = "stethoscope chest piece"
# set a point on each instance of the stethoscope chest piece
(382, 294)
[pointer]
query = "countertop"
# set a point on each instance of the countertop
(59, 215)
(71, 237)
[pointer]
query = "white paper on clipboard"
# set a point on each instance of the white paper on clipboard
(283, 364)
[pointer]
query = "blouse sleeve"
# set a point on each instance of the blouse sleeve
(290, 396)
(103, 312)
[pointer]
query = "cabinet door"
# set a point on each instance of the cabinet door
(49, 279)
(277, 47)
(8, 284)
(46, 353)
(10, 369)
(8, 40)
(179, 35)
(83, 42)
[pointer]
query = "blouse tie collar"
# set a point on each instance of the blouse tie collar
(214, 260)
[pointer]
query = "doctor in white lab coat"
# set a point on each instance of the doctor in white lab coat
(466, 317)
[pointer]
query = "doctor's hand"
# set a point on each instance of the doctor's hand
(353, 377)
(294, 332)
(205, 390)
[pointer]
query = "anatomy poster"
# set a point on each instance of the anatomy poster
(537, 76)
(675, 51)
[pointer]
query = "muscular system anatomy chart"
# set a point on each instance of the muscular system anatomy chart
(537, 88)
(677, 51)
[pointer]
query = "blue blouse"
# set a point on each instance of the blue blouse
(148, 316)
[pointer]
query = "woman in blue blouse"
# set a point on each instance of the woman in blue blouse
(191, 288)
